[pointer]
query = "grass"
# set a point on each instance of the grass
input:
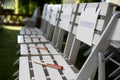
(8, 48)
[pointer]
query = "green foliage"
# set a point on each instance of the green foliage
(55, 1)
(28, 6)
(82, 1)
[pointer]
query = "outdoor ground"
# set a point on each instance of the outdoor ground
(8, 48)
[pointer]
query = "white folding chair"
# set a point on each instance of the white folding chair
(50, 48)
(113, 54)
(33, 30)
(51, 22)
(87, 72)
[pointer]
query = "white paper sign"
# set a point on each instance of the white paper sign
(86, 27)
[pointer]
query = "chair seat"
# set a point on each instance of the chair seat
(30, 30)
(115, 44)
(33, 71)
(31, 39)
(38, 49)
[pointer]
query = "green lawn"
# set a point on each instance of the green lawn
(8, 49)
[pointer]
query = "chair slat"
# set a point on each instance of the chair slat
(67, 72)
(52, 49)
(33, 50)
(53, 73)
(66, 16)
(42, 51)
(23, 49)
(38, 70)
(31, 39)
(44, 11)
(24, 73)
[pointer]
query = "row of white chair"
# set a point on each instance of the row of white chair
(85, 23)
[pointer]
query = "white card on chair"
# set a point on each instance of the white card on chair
(87, 23)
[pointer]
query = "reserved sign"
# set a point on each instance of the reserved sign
(86, 26)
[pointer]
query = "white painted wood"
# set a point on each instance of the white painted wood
(68, 44)
(43, 39)
(56, 30)
(96, 38)
(74, 51)
(74, 30)
(38, 69)
(86, 25)
(102, 21)
(52, 49)
(22, 31)
(33, 51)
(100, 25)
(27, 39)
(39, 72)
(103, 6)
(53, 21)
(38, 31)
(23, 49)
(24, 73)
(48, 13)
(60, 38)
(66, 16)
(116, 31)
(42, 51)
(35, 38)
(47, 18)
(105, 14)
(68, 72)
(101, 66)
(115, 44)
(88, 69)
(91, 63)
(49, 32)
(28, 30)
(53, 73)
(54, 14)
(67, 9)
(31, 39)
(20, 39)
(55, 35)
(44, 11)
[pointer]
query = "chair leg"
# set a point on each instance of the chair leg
(18, 52)
(117, 78)
(16, 62)
(101, 66)
(16, 73)
(17, 78)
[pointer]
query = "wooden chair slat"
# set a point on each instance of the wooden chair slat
(24, 73)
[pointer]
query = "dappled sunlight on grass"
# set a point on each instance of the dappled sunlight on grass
(12, 27)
